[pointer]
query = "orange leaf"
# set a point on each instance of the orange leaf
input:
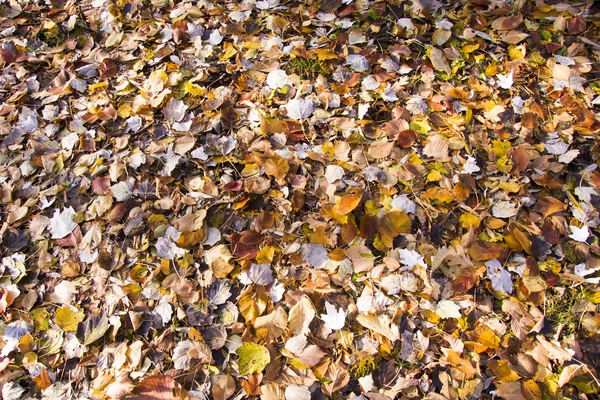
(347, 203)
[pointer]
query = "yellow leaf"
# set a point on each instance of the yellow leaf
(325, 54)
(266, 254)
(97, 87)
(195, 90)
(434, 176)
(488, 338)
(516, 52)
(67, 319)
(469, 48)
(468, 221)
(229, 51)
(253, 358)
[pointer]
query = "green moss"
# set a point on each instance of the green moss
(563, 310)
(306, 68)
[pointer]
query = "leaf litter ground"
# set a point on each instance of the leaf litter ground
(295, 200)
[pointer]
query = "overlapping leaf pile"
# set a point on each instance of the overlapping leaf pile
(386, 199)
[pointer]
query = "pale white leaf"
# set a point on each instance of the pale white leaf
(366, 383)
(581, 270)
(296, 392)
(517, 104)
(333, 173)
(410, 259)
(556, 147)
(402, 202)
(370, 83)
(276, 291)
(64, 292)
(568, 156)
(28, 120)
(504, 209)
(61, 223)
(181, 354)
(296, 343)
(357, 62)
(389, 94)
(470, 166)
(444, 24)
(136, 160)
(315, 255)
(395, 283)
(501, 280)
(259, 274)
(585, 193)
(363, 108)
(277, 78)
(174, 110)
(166, 249)
(122, 191)
(164, 309)
(14, 391)
(447, 309)
(579, 234)
(334, 319)
(299, 108)
(505, 81)
(134, 123)
(215, 38)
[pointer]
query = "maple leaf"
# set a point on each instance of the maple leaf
(334, 319)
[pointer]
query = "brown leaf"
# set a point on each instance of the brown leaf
(514, 37)
(485, 251)
(158, 387)
(101, 185)
(507, 23)
(439, 60)
(311, 355)
(338, 376)
(251, 238)
(107, 69)
(549, 205)
(520, 159)
(395, 126)
(277, 167)
(437, 148)
(223, 388)
(252, 385)
(380, 150)
(406, 138)
(241, 250)
(575, 25)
